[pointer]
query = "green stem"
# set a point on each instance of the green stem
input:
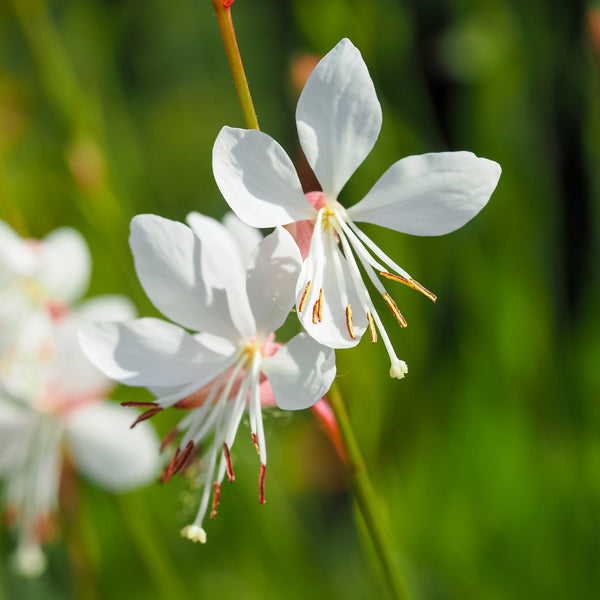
(9, 209)
(158, 563)
(367, 499)
(223, 12)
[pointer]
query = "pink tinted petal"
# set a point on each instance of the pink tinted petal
(302, 231)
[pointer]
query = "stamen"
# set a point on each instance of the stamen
(261, 483)
(216, 498)
(317, 314)
(372, 328)
(168, 439)
(230, 474)
(392, 306)
(146, 415)
(255, 442)
(411, 283)
(349, 322)
(140, 404)
(304, 297)
(182, 461)
(318, 308)
(170, 468)
(320, 305)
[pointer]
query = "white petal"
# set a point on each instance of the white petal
(338, 116)
(431, 194)
(338, 292)
(257, 179)
(300, 373)
(66, 264)
(72, 368)
(16, 258)
(176, 271)
(15, 430)
(246, 237)
(108, 451)
(272, 274)
(224, 267)
(149, 352)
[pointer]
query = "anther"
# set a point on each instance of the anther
(168, 438)
(216, 498)
(372, 329)
(184, 458)
(392, 306)
(146, 415)
(140, 404)
(261, 483)
(230, 474)
(320, 305)
(349, 322)
(255, 442)
(317, 315)
(411, 283)
(304, 297)
(170, 468)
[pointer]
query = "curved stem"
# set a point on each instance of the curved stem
(223, 12)
(367, 500)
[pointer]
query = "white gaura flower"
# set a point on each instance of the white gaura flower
(51, 397)
(338, 118)
(207, 280)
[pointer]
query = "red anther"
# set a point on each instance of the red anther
(255, 442)
(261, 483)
(146, 415)
(168, 438)
(183, 458)
(169, 469)
(216, 498)
(227, 3)
(140, 404)
(230, 474)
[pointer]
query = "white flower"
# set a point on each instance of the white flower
(199, 279)
(51, 397)
(338, 118)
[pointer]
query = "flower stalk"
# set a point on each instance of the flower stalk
(223, 12)
(366, 499)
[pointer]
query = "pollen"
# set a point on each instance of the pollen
(392, 306)
(304, 297)
(372, 329)
(411, 283)
(349, 322)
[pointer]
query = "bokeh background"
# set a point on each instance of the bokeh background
(487, 456)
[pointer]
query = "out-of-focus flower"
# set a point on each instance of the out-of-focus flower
(338, 118)
(51, 397)
(208, 280)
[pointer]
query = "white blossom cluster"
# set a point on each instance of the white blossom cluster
(52, 407)
(226, 290)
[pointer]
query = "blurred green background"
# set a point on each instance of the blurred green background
(487, 456)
